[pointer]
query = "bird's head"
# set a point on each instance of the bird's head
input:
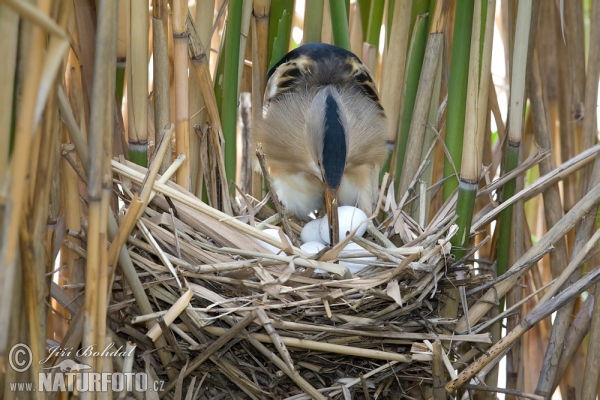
(327, 131)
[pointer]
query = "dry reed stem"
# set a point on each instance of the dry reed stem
(15, 203)
(137, 80)
(329, 347)
(198, 205)
(520, 267)
(529, 321)
(433, 51)
(539, 185)
(214, 347)
(180, 69)
(200, 66)
(9, 29)
(176, 309)
(161, 73)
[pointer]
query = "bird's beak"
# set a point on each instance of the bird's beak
(331, 207)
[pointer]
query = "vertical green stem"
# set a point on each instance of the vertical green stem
(416, 53)
(313, 21)
(375, 19)
(457, 93)
(339, 24)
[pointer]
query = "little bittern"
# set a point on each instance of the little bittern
(323, 132)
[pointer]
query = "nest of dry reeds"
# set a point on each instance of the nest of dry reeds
(235, 318)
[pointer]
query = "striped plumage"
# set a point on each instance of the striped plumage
(322, 129)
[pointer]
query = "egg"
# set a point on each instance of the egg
(275, 234)
(312, 247)
(310, 232)
(354, 266)
(349, 219)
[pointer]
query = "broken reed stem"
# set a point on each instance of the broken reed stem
(267, 324)
(285, 222)
(483, 305)
(213, 348)
(176, 309)
(199, 63)
(528, 322)
(538, 185)
(329, 347)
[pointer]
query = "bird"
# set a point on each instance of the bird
(323, 132)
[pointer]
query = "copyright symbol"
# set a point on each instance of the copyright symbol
(20, 357)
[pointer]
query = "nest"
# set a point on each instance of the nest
(230, 318)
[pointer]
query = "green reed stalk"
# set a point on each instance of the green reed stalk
(339, 24)
(457, 94)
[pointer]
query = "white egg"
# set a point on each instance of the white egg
(312, 247)
(349, 219)
(354, 266)
(275, 234)
(310, 232)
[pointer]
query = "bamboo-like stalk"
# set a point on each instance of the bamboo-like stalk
(575, 336)
(98, 201)
(433, 52)
(203, 20)
(313, 21)
(532, 318)
(515, 127)
(457, 94)
(244, 32)
(339, 24)
(24, 133)
(410, 83)
(583, 232)
(161, 73)
(229, 100)
(590, 377)
(262, 16)
(475, 129)
(200, 67)
(394, 64)
(180, 70)
(137, 82)
(364, 6)
(9, 28)
(9, 289)
(483, 305)
(371, 44)
(553, 209)
(260, 33)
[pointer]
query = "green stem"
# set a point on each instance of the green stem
(457, 93)
(313, 21)
(512, 160)
(375, 19)
(365, 10)
(413, 72)
(339, 24)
